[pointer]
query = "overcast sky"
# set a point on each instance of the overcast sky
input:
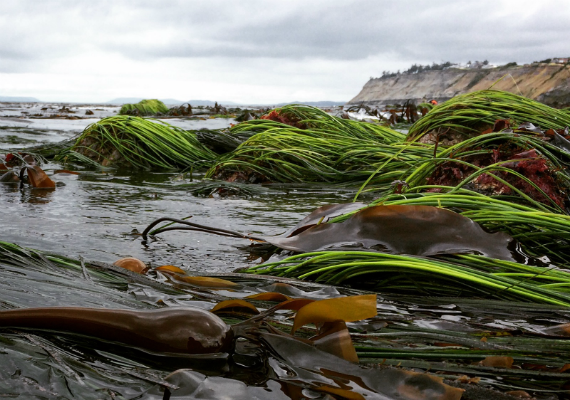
(256, 51)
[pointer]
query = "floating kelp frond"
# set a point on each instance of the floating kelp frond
(472, 113)
(37, 178)
(539, 232)
(144, 107)
(141, 143)
(188, 330)
(397, 229)
(417, 230)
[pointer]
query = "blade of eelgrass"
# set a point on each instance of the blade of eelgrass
(434, 276)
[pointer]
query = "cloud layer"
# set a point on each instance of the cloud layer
(256, 51)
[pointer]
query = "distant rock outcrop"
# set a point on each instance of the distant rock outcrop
(547, 83)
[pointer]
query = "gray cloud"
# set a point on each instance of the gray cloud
(37, 36)
(294, 30)
(359, 29)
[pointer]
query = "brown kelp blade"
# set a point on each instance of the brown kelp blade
(235, 304)
(315, 368)
(335, 339)
(269, 296)
(323, 214)
(132, 264)
(401, 229)
(38, 178)
(179, 330)
(348, 309)
(205, 281)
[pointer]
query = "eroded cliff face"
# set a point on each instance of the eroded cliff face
(547, 83)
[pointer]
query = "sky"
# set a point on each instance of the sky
(257, 52)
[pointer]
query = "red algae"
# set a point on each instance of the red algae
(527, 163)
(288, 119)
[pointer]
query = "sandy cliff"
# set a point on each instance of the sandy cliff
(547, 83)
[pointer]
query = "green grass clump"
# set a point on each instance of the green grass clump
(462, 275)
(318, 147)
(474, 112)
(141, 143)
(289, 154)
(497, 143)
(144, 107)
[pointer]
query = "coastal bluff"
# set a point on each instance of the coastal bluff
(547, 83)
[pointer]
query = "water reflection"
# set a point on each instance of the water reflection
(37, 196)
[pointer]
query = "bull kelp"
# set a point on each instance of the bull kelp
(539, 232)
(144, 108)
(141, 143)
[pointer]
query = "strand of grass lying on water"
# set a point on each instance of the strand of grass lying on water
(70, 156)
(409, 342)
(390, 273)
(146, 143)
(22, 257)
(471, 111)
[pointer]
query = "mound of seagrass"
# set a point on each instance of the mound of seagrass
(144, 107)
(305, 144)
(141, 143)
(472, 113)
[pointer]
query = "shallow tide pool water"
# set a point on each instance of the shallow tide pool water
(98, 215)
